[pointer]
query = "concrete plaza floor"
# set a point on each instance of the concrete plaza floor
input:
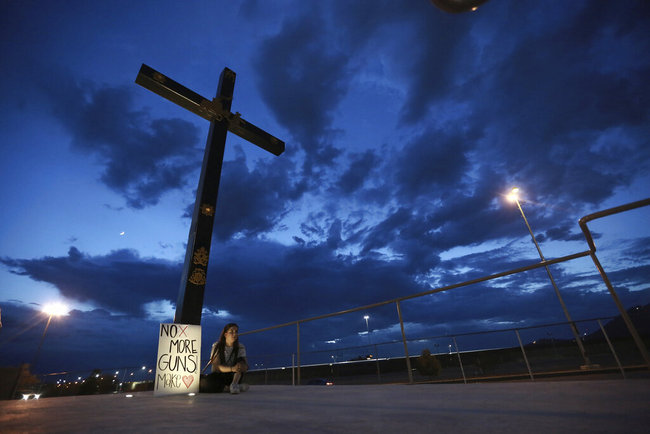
(594, 406)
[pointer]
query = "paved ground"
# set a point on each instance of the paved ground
(600, 406)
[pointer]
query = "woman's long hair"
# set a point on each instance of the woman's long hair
(221, 346)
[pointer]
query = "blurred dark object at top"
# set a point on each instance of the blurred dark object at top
(458, 6)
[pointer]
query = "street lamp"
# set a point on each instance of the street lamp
(513, 196)
(52, 309)
(367, 317)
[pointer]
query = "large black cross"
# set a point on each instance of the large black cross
(217, 111)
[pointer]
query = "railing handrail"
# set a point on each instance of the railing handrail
(423, 293)
(604, 213)
(457, 335)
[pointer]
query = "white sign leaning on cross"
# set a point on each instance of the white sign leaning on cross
(179, 359)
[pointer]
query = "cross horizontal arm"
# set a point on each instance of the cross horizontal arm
(173, 91)
(257, 136)
(210, 110)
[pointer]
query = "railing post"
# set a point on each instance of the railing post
(298, 349)
(377, 360)
(592, 252)
(521, 345)
(623, 312)
(460, 362)
(406, 349)
(611, 348)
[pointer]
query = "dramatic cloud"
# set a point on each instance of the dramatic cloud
(120, 281)
(304, 79)
(143, 158)
(560, 113)
(358, 171)
(433, 164)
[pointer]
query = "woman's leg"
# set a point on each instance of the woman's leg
(235, 386)
(215, 382)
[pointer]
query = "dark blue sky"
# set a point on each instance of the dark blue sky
(405, 127)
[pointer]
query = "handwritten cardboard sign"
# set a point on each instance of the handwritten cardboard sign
(179, 358)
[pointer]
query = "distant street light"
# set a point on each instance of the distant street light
(376, 355)
(514, 197)
(367, 317)
(53, 309)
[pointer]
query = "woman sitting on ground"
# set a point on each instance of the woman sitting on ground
(228, 359)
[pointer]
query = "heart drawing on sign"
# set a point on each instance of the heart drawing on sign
(188, 379)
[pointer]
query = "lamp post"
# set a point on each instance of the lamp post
(54, 309)
(367, 317)
(514, 197)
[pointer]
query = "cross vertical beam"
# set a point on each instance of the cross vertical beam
(192, 288)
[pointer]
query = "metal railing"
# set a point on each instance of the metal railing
(486, 355)
(115, 380)
(544, 263)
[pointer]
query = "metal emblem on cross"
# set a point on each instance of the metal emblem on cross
(217, 111)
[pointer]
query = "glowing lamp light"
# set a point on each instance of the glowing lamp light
(55, 309)
(513, 196)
